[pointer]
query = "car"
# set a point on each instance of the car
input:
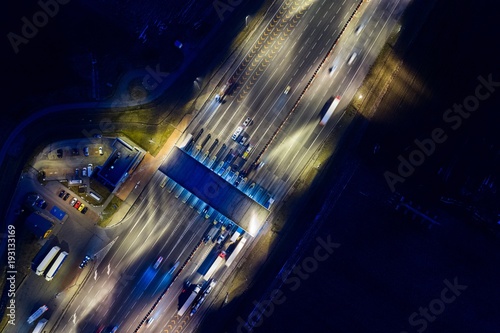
(61, 194)
(247, 121)
(41, 203)
(247, 152)
(75, 151)
(77, 172)
(114, 329)
(84, 172)
(77, 204)
(243, 139)
(73, 201)
(287, 90)
(205, 209)
(332, 69)
(100, 151)
(100, 329)
(150, 320)
(237, 132)
(59, 153)
(84, 210)
(66, 196)
(97, 136)
(89, 169)
(158, 262)
(86, 151)
(81, 207)
(84, 262)
(359, 28)
(221, 238)
(352, 58)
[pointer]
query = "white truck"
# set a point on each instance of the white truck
(55, 267)
(40, 325)
(215, 266)
(37, 314)
(235, 252)
(189, 301)
(330, 110)
(47, 260)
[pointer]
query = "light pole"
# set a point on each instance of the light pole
(246, 20)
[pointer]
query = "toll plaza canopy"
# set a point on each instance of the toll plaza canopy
(214, 190)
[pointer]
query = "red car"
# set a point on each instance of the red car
(77, 204)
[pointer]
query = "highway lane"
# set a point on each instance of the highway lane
(266, 103)
(378, 24)
(125, 283)
(301, 136)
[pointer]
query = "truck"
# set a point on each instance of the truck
(330, 110)
(215, 266)
(186, 141)
(189, 301)
(55, 267)
(47, 260)
(235, 252)
(37, 314)
(211, 233)
(235, 236)
(40, 325)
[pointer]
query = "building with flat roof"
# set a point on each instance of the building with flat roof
(120, 164)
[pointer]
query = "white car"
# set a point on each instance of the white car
(237, 132)
(247, 121)
(287, 90)
(359, 28)
(100, 151)
(158, 262)
(352, 58)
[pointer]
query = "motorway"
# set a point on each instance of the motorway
(288, 52)
(120, 286)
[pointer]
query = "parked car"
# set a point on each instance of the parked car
(89, 169)
(84, 172)
(59, 153)
(100, 151)
(84, 210)
(81, 207)
(61, 194)
(66, 196)
(73, 201)
(77, 172)
(77, 204)
(86, 151)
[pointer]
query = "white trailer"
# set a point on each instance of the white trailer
(37, 314)
(235, 252)
(189, 301)
(55, 267)
(39, 327)
(47, 260)
(215, 266)
(330, 110)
